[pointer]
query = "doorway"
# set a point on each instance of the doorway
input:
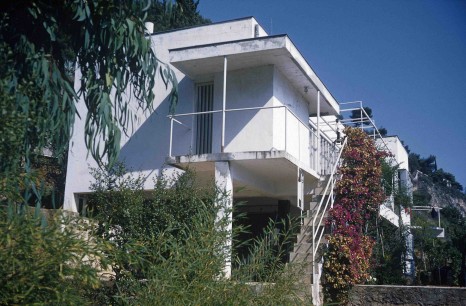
(204, 103)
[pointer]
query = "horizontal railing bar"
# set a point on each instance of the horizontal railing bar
(227, 110)
(354, 120)
(351, 102)
(349, 109)
(348, 103)
(365, 119)
(254, 108)
(181, 123)
(197, 113)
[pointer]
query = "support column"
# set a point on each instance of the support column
(224, 183)
(405, 215)
(300, 187)
(318, 134)
(224, 102)
(316, 287)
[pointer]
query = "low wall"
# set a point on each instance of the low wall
(407, 295)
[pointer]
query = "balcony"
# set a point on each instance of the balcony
(250, 134)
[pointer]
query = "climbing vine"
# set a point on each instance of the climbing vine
(358, 194)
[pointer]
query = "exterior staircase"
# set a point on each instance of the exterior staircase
(307, 250)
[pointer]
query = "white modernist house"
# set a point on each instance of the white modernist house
(252, 115)
(402, 183)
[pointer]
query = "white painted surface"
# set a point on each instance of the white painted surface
(396, 148)
(146, 148)
(297, 134)
(279, 51)
(389, 215)
(250, 130)
(224, 182)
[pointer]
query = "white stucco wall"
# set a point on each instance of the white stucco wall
(396, 148)
(292, 130)
(249, 130)
(145, 150)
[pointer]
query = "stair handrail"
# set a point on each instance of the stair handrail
(315, 242)
(320, 204)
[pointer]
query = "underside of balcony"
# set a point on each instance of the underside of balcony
(255, 174)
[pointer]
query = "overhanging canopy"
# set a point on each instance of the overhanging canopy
(279, 51)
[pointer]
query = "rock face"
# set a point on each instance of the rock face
(406, 295)
(430, 194)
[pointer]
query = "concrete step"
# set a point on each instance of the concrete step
(313, 205)
(300, 257)
(320, 190)
(308, 238)
(308, 220)
(304, 237)
(302, 247)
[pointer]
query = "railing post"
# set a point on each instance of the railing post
(439, 218)
(171, 136)
(360, 107)
(299, 141)
(313, 256)
(318, 133)
(224, 101)
(286, 126)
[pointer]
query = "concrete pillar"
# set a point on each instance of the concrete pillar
(317, 294)
(405, 215)
(224, 183)
(319, 160)
(300, 188)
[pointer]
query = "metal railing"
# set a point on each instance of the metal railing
(325, 203)
(365, 122)
(289, 139)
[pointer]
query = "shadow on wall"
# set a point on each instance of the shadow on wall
(148, 146)
(249, 130)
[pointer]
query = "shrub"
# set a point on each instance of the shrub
(47, 261)
(358, 194)
(171, 246)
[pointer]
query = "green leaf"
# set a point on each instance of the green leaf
(108, 79)
(130, 25)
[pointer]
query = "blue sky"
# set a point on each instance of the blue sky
(404, 59)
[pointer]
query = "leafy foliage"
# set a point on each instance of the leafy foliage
(440, 261)
(42, 42)
(425, 165)
(446, 179)
(389, 253)
(383, 131)
(264, 261)
(47, 260)
(358, 194)
(428, 166)
(170, 245)
(168, 15)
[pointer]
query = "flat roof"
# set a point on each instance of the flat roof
(277, 50)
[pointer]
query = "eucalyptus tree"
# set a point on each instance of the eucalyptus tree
(42, 44)
(168, 15)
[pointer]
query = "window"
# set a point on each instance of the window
(204, 103)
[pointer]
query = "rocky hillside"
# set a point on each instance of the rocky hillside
(425, 192)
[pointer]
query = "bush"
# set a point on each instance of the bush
(47, 261)
(171, 247)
